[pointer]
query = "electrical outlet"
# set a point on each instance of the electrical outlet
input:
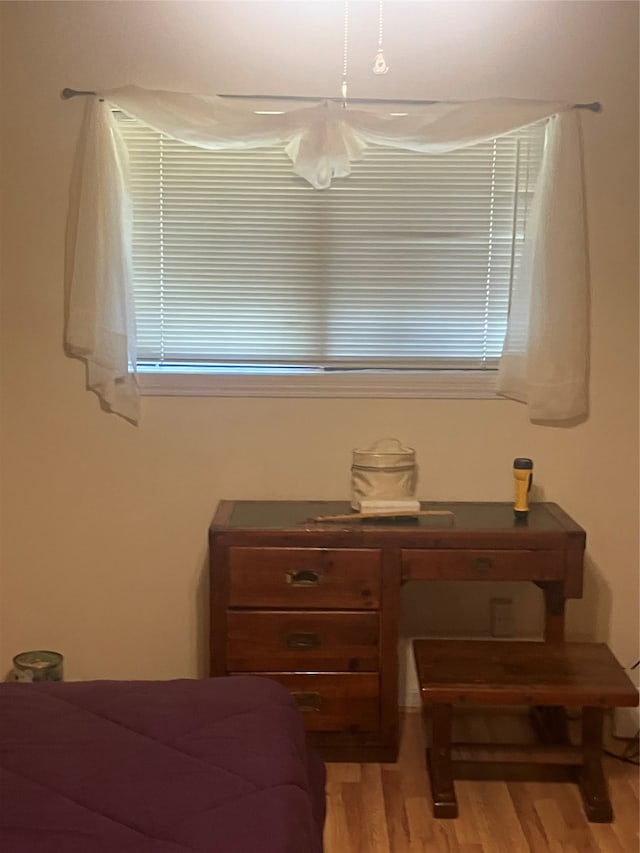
(502, 622)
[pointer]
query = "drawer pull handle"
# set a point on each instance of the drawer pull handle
(303, 641)
(307, 702)
(304, 577)
(482, 564)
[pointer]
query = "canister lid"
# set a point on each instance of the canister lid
(385, 453)
(37, 659)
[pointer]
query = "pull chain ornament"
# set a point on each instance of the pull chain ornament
(380, 65)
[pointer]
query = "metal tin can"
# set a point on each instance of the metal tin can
(38, 665)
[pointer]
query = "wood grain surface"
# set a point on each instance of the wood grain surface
(386, 808)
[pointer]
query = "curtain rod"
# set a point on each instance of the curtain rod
(594, 106)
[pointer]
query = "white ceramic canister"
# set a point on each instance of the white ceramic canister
(385, 471)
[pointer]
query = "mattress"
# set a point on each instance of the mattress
(217, 765)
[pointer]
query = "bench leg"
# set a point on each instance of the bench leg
(439, 763)
(591, 779)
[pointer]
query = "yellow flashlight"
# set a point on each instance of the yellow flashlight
(523, 475)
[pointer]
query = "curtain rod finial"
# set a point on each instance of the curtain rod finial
(67, 93)
(594, 106)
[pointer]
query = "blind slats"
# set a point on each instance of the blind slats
(407, 263)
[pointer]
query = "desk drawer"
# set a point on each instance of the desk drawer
(318, 578)
(334, 702)
(293, 640)
(435, 564)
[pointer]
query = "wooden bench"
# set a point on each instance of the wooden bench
(546, 677)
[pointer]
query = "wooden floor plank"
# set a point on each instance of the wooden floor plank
(344, 772)
(395, 802)
(386, 808)
(492, 810)
(524, 796)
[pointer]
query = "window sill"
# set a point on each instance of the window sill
(445, 384)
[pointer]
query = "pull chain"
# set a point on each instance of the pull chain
(345, 53)
(380, 65)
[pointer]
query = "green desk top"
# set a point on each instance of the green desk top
(466, 515)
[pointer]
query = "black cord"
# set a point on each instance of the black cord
(629, 753)
(623, 757)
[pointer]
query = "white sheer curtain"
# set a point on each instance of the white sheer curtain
(544, 362)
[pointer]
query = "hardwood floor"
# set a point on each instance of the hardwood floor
(386, 808)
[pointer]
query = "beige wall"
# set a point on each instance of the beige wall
(103, 525)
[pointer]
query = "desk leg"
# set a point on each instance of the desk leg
(439, 763)
(550, 722)
(554, 604)
(593, 785)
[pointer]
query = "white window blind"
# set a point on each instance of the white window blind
(404, 265)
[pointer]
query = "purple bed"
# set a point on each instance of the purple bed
(218, 765)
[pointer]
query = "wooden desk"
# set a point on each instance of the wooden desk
(316, 606)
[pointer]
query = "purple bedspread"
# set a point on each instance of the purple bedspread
(218, 765)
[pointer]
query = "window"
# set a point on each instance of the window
(396, 278)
